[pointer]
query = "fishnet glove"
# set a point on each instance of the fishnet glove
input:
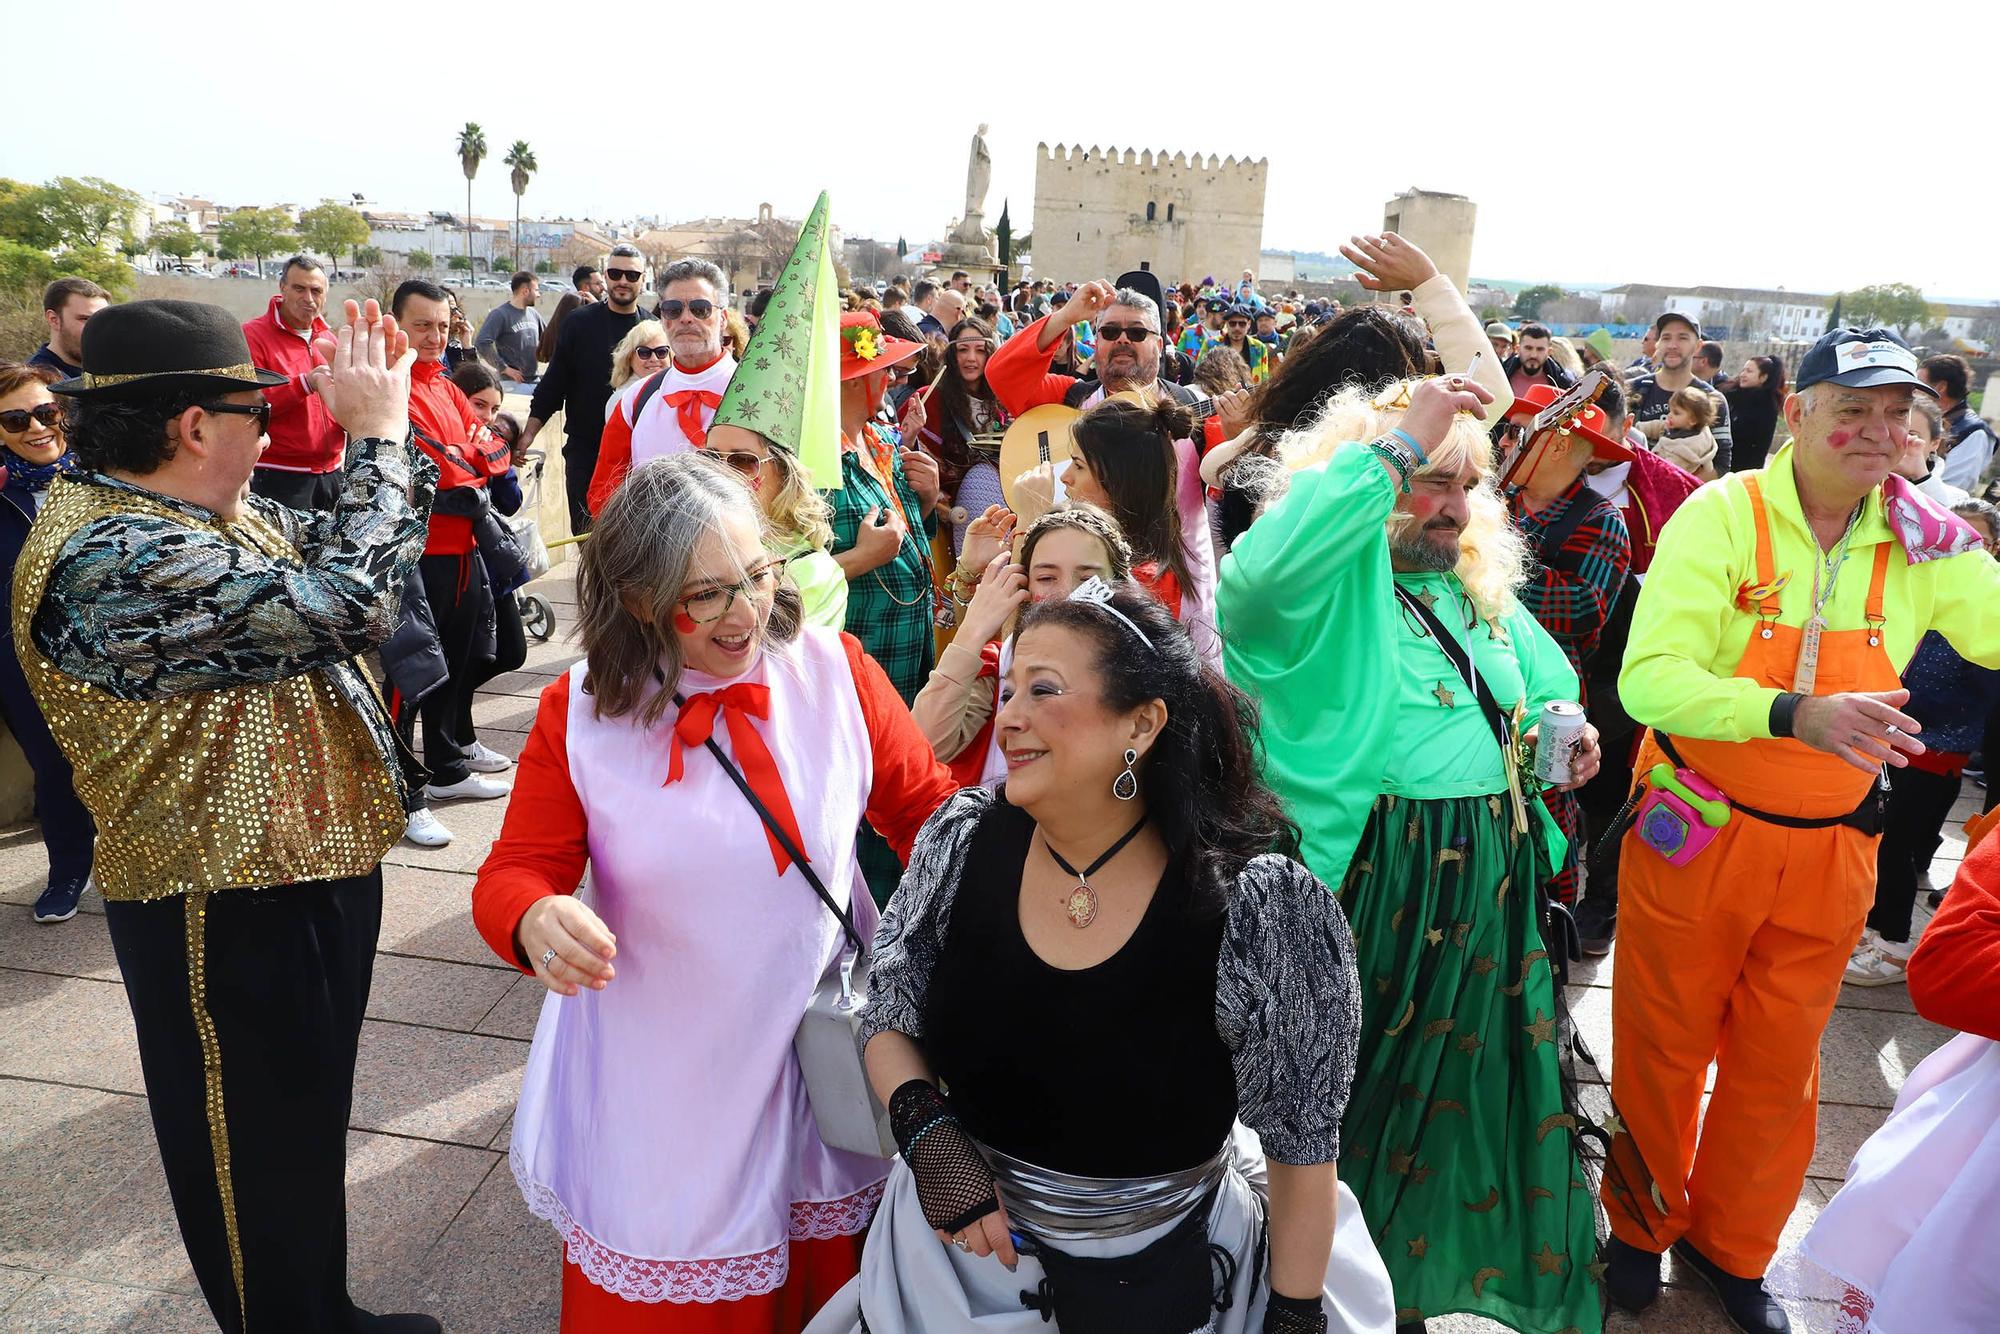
(954, 1184)
(1294, 1315)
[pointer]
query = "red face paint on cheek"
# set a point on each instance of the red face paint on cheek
(1839, 439)
(684, 623)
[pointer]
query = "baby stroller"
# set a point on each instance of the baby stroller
(538, 618)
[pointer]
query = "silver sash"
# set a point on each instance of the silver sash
(1061, 1207)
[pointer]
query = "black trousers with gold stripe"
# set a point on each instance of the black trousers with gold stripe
(248, 1005)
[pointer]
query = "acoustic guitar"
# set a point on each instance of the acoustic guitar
(1041, 435)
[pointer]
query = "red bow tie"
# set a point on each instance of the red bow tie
(738, 704)
(687, 405)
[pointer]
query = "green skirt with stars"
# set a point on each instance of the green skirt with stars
(1456, 1139)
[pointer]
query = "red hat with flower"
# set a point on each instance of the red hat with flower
(864, 348)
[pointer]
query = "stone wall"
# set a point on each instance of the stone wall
(1099, 213)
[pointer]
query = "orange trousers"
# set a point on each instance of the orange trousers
(1735, 958)
(819, 1269)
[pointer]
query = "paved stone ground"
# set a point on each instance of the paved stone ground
(87, 1236)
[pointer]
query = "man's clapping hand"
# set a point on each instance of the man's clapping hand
(368, 390)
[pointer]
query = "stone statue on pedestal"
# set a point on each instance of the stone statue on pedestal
(971, 228)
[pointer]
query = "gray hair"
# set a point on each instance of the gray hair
(300, 261)
(623, 251)
(1133, 299)
(681, 270)
(641, 551)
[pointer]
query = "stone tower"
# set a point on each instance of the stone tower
(1099, 213)
(1439, 223)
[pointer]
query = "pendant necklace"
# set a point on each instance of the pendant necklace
(1081, 902)
(1827, 568)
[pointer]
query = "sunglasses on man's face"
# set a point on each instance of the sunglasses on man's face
(700, 309)
(17, 419)
(261, 411)
(651, 353)
(1111, 333)
(624, 275)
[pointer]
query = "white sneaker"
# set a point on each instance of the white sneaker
(426, 830)
(474, 787)
(1873, 966)
(483, 759)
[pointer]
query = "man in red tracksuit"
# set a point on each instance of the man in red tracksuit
(302, 466)
(454, 577)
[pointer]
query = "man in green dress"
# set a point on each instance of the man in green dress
(1372, 609)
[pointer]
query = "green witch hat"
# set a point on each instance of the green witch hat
(787, 385)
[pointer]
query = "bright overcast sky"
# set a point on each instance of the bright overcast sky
(1680, 144)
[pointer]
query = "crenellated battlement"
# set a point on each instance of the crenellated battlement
(1246, 169)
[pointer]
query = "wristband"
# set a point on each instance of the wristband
(1422, 455)
(1784, 710)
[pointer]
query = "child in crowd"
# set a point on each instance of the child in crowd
(1687, 440)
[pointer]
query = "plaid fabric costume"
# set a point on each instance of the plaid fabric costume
(1570, 591)
(889, 608)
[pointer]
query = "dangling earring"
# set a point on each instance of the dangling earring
(1126, 785)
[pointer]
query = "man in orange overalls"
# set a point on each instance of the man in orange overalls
(1764, 656)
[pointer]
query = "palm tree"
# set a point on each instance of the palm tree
(471, 152)
(522, 159)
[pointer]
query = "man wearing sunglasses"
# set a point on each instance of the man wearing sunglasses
(577, 381)
(671, 410)
(1129, 350)
(193, 649)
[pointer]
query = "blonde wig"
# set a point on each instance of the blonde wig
(795, 511)
(645, 331)
(1492, 560)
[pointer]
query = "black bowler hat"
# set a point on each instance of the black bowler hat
(149, 348)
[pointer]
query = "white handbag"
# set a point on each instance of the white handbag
(828, 1041)
(828, 1044)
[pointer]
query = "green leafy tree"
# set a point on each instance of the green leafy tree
(88, 210)
(22, 217)
(422, 261)
(545, 266)
(471, 152)
(459, 264)
(175, 240)
(256, 232)
(368, 257)
(522, 159)
(1893, 305)
(1531, 299)
(329, 229)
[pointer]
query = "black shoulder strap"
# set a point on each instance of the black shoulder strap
(845, 916)
(645, 394)
(1461, 658)
(1559, 532)
(1074, 395)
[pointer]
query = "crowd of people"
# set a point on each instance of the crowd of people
(1206, 804)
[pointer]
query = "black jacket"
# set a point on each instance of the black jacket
(1551, 368)
(578, 378)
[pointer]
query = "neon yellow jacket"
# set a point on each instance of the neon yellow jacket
(1688, 632)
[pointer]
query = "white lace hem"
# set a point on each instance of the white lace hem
(727, 1279)
(1808, 1289)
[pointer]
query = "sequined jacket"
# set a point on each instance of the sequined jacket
(198, 673)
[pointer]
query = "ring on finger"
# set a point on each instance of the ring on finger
(548, 956)
(1895, 731)
(961, 1243)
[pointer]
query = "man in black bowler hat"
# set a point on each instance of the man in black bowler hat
(192, 647)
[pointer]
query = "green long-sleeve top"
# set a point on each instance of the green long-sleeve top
(1354, 697)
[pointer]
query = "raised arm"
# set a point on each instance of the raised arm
(149, 608)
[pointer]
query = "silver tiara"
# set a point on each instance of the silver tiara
(1098, 594)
